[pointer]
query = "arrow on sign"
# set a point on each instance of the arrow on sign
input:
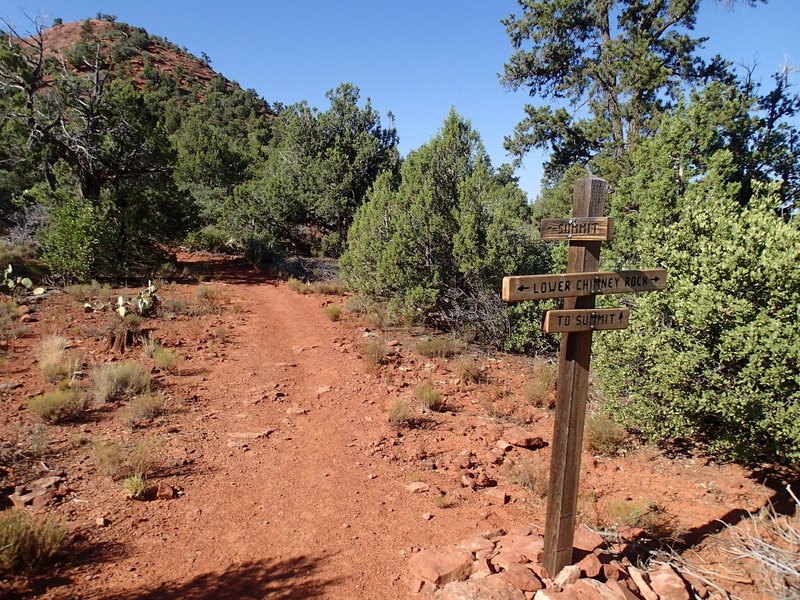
(522, 288)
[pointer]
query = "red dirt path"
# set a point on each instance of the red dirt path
(315, 506)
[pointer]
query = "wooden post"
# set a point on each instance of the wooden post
(573, 379)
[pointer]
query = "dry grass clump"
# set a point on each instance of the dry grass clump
(439, 346)
(117, 381)
(332, 287)
(298, 286)
(58, 406)
(167, 359)
(177, 306)
(602, 436)
(647, 515)
(85, 292)
(149, 347)
(50, 353)
(430, 397)
(442, 501)
(377, 318)
(333, 312)
(213, 299)
(10, 327)
(26, 541)
(140, 409)
(530, 476)
(121, 462)
(469, 370)
(374, 352)
(399, 413)
(540, 389)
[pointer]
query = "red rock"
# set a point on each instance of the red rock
(496, 496)
(631, 534)
(586, 539)
(539, 570)
(481, 569)
(43, 500)
(393, 343)
(551, 594)
(493, 587)
(523, 530)
(514, 540)
(507, 557)
(590, 566)
(522, 578)
(441, 565)
(477, 544)
(417, 487)
(525, 439)
(567, 576)
(491, 534)
(639, 579)
(533, 550)
(621, 590)
(613, 570)
(667, 584)
(165, 492)
(591, 589)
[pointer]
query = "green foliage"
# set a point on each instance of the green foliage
(450, 230)
(429, 397)
(715, 355)
(26, 542)
(208, 239)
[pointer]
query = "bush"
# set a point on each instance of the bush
(135, 487)
(531, 477)
(209, 239)
(331, 287)
(9, 326)
(118, 381)
(603, 437)
(141, 408)
(430, 397)
(213, 298)
(399, 413)
(451, 226)
(58, 406)
(50, 354)
(167, 359)
(715, 355)
(26, 542)
(333, 312)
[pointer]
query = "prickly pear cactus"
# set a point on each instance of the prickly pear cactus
(19, 285)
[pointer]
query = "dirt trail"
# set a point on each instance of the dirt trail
(301, 511)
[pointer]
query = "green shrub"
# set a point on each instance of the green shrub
(714, 356)
(209, 239)
(26, 541)
(298, 286)
(135, 487)
(119, 380)
(451, 226)
(430, 397)
(331, 287)
(333, 312)
(58, 406)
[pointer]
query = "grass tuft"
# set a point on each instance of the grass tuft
(469, 370)
(213, 299)
(332, 287)
(430, 397)
(121, 462)
(399, 413)
(439, 347)
(602, 436)
(532, 477)
(540, 389)
(140, 409)
(58, 406)
(118, 381)
(135, 487)
(333, 312)
(167, 359)
(374, 352)
(298, 286)
(26, 542)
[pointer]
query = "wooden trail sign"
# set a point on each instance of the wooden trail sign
(579, 318)
(597, 229)
(542, 287)
(587, 319)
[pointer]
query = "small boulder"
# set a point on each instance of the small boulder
(522, 438)
(587, 540)
(590, 566)
(441, 566)
(417, 487)
(522, 578)
(496, 496)
(567, 576)
(668, 584)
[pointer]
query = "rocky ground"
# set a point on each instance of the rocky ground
(278, 474)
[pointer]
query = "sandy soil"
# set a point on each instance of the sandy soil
(290, 482)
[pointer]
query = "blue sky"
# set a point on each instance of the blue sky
(414, 58)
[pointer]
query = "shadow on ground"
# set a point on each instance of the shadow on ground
(290, 579)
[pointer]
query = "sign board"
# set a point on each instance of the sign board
(578, 229)
(542, 287)
(587, 319)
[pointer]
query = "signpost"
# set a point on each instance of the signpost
(579, 287)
